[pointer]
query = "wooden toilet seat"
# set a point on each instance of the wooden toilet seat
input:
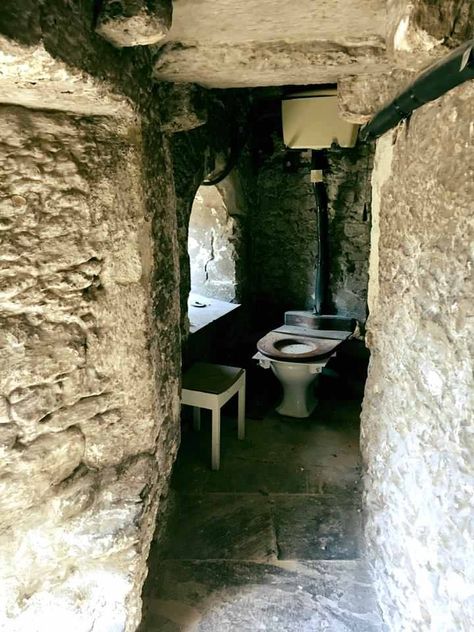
(273, 346)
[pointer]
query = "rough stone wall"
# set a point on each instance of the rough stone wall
(349, 201)
(237, 193)
(164, 333)
(87, 439)
(283, 236)
(418, 406)
(284, 231)
(211, 245)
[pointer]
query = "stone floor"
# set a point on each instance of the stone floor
(273, 540)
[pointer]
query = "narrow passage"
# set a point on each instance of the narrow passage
(273, 540)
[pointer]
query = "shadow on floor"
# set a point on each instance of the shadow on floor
(272, 541)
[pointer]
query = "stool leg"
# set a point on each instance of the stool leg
(216, 437)
(241, 413)
(196, 418)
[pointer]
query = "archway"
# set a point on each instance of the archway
(211, 246)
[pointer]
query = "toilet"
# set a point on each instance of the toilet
(297, 352)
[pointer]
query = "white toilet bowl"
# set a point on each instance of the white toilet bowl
(298, 382)
(296, 361)
(298, 354)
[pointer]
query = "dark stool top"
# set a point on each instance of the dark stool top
(210, 378)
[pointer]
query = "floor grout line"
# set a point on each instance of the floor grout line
(273, 562)
(267, 495)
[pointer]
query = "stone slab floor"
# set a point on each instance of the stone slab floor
(273, 540)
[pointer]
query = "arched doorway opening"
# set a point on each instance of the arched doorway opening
(211, 246)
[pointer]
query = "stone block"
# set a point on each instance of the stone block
(361, 97)
(316, 528)
(220, 526)
(291, 596)
(275, 44)
(79, 553)
(29, 472)
(134, 22)
(56, 405)
(182, 107)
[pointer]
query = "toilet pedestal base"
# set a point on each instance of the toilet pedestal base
(298, 381)
(298, 401)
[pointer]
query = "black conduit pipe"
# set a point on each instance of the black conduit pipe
(235, 150)
(319, 163)
(445, 74)
(237, 143)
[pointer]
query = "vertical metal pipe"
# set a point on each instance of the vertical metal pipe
(319, 162)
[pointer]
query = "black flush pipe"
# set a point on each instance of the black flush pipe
(318, 165)
(237, 144)
(445, 74)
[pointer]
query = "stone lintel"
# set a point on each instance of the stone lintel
(257, 64)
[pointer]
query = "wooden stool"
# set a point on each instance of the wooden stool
(210, 386)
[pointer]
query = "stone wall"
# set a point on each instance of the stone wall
(284, 231)
(237, 193)
(88, 372)
(283, 234)
(349, 201)
(418, 406)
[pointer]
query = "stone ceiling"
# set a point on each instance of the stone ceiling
(245, 43)
(53, 55)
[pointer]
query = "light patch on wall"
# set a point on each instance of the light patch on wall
(400, 37)
(381, 173)
(409, 37)
(211, 246)
(63, 608)
(432, 380)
